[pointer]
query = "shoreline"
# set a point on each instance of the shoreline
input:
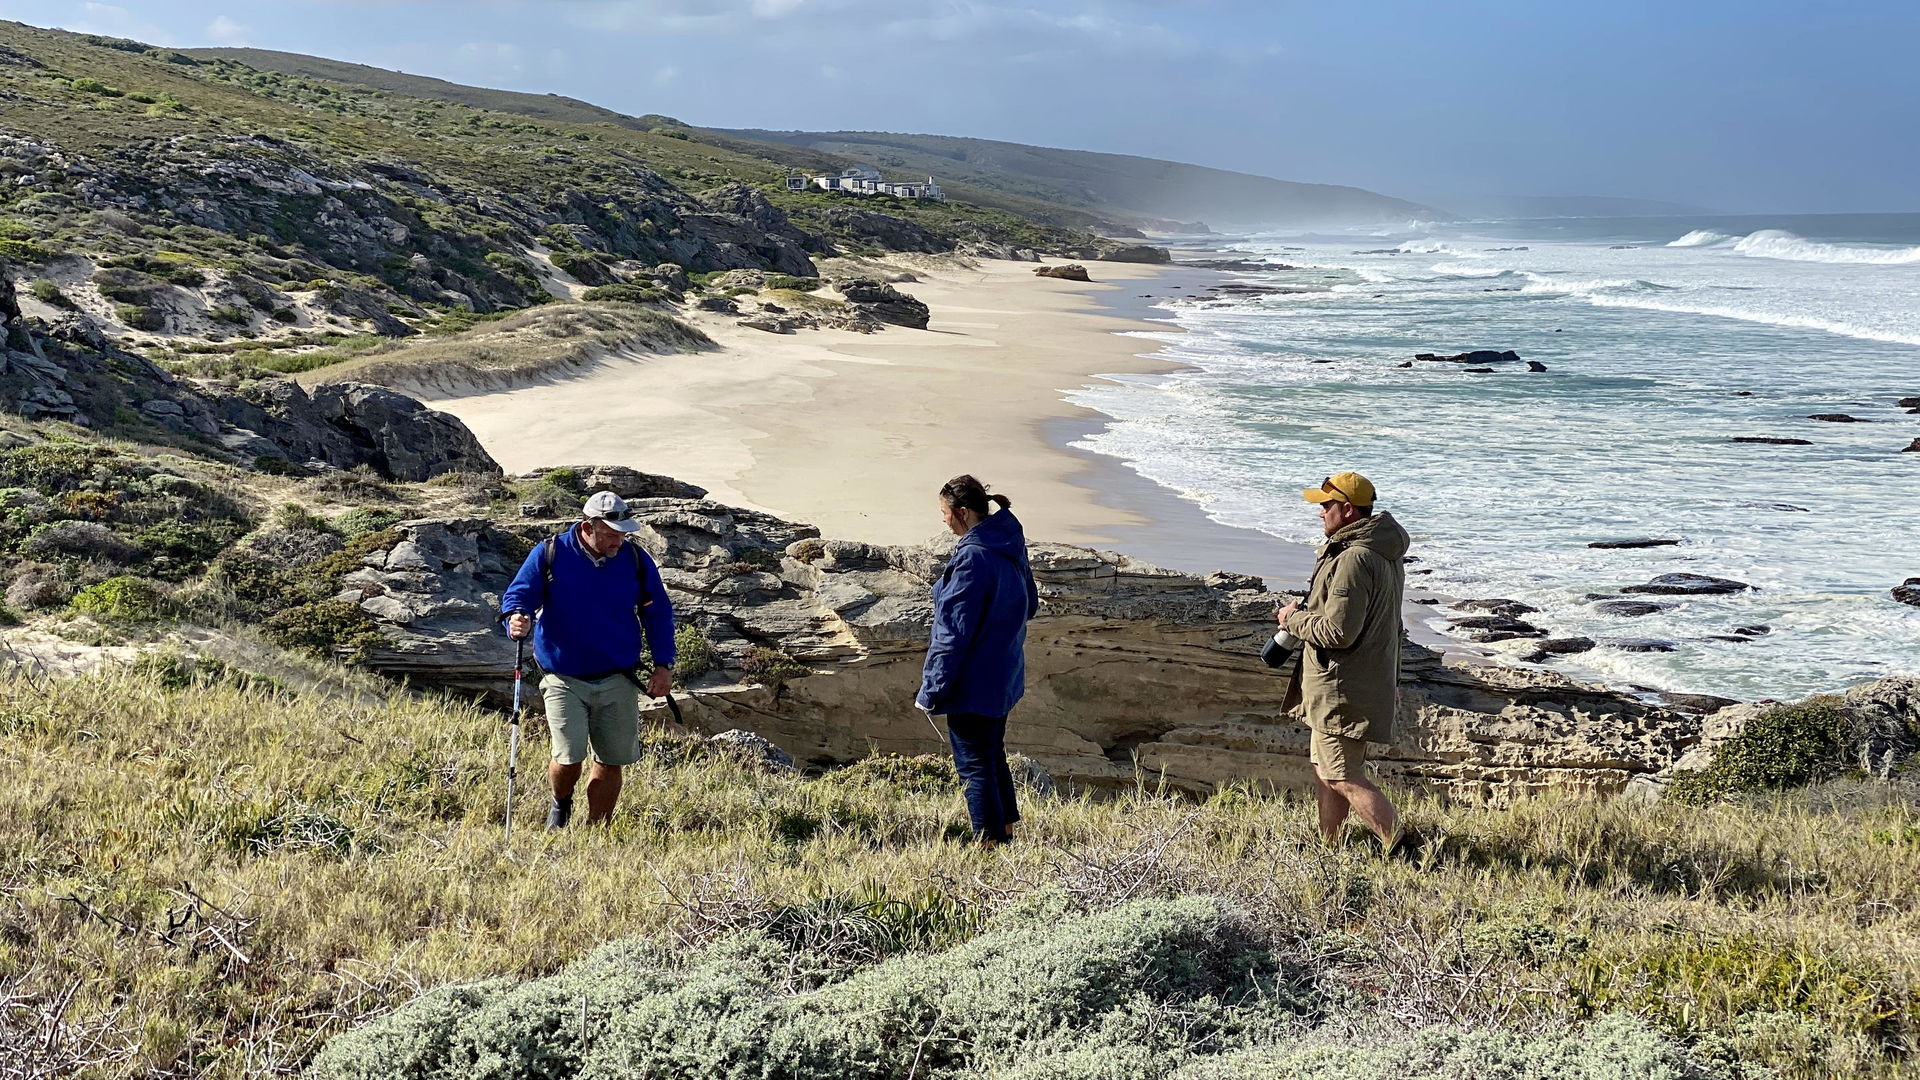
(854, 433)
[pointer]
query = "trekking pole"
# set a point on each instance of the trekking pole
(513, 724)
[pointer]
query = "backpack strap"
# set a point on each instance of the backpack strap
(639, 567)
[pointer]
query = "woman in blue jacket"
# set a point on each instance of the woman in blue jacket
(976, 662)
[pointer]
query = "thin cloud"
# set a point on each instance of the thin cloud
(225, 31)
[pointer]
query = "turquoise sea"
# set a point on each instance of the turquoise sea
(1664, 340)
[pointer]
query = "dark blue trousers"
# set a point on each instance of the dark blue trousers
(980, 757)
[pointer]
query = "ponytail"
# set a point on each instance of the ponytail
(966, 493)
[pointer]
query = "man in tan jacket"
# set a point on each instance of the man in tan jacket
(1349, 631)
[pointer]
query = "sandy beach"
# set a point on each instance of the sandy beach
(855, 432)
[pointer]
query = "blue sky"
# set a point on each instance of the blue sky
(1755, 106)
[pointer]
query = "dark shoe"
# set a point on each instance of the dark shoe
(558, 812)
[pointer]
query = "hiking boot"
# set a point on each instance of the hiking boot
(558, 812)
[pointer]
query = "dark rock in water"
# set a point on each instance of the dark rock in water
(1734, 639)
(1912, 447)
(883, 303)
(1412, 572)
(1753, 631)
(1066, 272)
(1643, 542)
(1630, 608)
(1535, 365)
(1497, 624)
(1319, 361)
(1907, 403)
(1566, 646)
(1785, 508)
(1474, 356)
(1771, 441)
(1908, 592)
(1238, 264)
(1700, 703)
(1477, 370)
(1603, 596)
(1743, 393)
(1407, 364)
(1424, 601)
(1509, 608)
(1642, 645)
(1838, 418)
(1689, 585)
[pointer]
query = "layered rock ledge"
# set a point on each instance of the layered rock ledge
(1133, 670)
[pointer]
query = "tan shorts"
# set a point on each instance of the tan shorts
(1336, 757)
(604, 713)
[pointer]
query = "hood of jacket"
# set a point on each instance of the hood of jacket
(1000, 533)
(1379, 533)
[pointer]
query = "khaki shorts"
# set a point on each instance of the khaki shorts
(604, 713)
(1336, 757)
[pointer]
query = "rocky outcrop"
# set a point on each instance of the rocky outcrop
(1838, 418)
(1138, 253)
(1065, 272)
(344, 425)
(68, 371)
(1908, 592)
(1129, 665)
(884, 231)
(1770, 440)
(748, 230)
(881, 302)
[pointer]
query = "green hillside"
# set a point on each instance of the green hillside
(177, 197)
(1110, 183)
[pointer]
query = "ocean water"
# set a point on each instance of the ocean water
(1664, 340)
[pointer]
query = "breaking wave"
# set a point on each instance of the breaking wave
(1780, 244)
(1701, 238)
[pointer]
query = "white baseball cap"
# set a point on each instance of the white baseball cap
(611, 509)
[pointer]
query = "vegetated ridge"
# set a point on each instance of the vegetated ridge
(1115, 184)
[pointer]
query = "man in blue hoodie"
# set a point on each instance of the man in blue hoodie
(585, 596)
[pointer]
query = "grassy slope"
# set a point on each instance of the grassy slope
(351, 853)
(1112, 183)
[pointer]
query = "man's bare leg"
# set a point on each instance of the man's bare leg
(603, 791)
(1333, 808)
(1370, 803)
(562, 778)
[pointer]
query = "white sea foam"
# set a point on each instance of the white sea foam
(1604, 437)
(1701, 238)
(1780, 244)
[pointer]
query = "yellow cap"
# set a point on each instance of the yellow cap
(1346, 487)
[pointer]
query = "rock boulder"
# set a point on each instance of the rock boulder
(1065, 272)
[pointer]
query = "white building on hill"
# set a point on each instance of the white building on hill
(865, 180)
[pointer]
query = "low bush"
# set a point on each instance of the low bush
(693, 653)
(124, 599)
(333, 629)
(1781, 748)
(80, 540)
(362, 521)
(771, 667)
(797, 284)
(626, 294)
(37, 585)
(48, 293)
(26, 251)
